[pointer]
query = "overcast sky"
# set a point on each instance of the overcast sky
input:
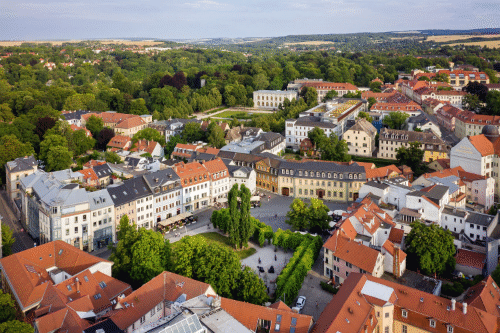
(179, 19)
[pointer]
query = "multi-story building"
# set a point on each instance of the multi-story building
(124, 203)
(75, 117)
(167, 193)
(121, 123)
(272, 98)
(331, 117)
(424, 123)
(459, 78)
(101, 229)
(268, 142)
(267, 174)
(53, 210)
(64, 289)
(468, 123)
(195, 182)
(478, 155)
(15, 171)
(322, 87)
(454, 97)
(366, 303)
(219, 179)
(143, 196)
(171, 127)
(320, 179)
(391, 140)
(360, 138)
(446, 116)
(242, 175)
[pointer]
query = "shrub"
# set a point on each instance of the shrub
(328, 287)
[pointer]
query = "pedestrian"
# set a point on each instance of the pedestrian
(275, 258)
(259, 260)
(268, 290)
(316, 303)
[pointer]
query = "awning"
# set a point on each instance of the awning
(222, 200)
(174, 219)
(339, 212)
(255, 198)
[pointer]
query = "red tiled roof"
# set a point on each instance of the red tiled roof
(382, 172)
(119, 141)
(470, 259)
(93, 163)
(389, 247)
(26, 270)
(215, 167)
(355, 253)
(249, 314)
(485, 296)
(396, 235)
(320, 85)
(131, 122)
(166, 286)
(191, 173)
(482, 144)
(89, 174)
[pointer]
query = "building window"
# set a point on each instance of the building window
(386, 315)
(432, 323)
(143, 319)
(405, 329)
(449, 329)
(386, 330)
(404, 313)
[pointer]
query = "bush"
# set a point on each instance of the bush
(454, 290)
(328, 287)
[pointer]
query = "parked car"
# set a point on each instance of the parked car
(301, 301)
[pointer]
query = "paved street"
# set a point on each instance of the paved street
(23, 240)
(281, 205)
(447, 136)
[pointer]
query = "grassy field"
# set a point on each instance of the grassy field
(235, 114)
(215, 237)
(447, 38)
(488, 43)
(379, 162)
(216, 110)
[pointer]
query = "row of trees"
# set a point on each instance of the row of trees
(142, 254)
(306, 249)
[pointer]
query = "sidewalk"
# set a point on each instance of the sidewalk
(176, 235)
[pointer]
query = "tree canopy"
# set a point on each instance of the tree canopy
(412, 156)
(149, 134)
(312, 217)
(431, 247)
(396, 120)
(94, 124)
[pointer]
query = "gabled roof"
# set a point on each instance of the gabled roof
(470, 259)
(166, 286)
(396, 235)
(485, 296)
(216, 166)
(103, 170)
(27, 273)
(119, 141)
(382, 172)
(249, 314)
(131, 122)
(482, 144)
(389, 247)
(353, 252)
(88, 174)
(22, 164)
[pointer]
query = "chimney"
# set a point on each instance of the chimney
(453, 302)
(465, 307)
(77, 284)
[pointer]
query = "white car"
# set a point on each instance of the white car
(301, 301)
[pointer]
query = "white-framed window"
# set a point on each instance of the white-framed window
(449, 329)
(404, 313)
(432, 323)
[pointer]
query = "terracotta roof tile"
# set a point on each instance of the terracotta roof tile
(89, 174)
(470, 259)
(216, 166)
(389, 247)
(396, 235)
(131, 122)
(383, 172)
(248, 315)
(482, 144)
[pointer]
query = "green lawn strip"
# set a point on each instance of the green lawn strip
(215, 237)
(216, 110)
(379, 162)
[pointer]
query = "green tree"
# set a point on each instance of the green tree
(7, 306)
(94, 125)
(105, 135)
(297, 216)
(495, 275)
(250, 288)
(365, 116)
(16, 326)
(260, 81)
(58, 158)
(112, 157)
(149, 134)
(11, 148)
(245, 226)
(334, 149)
(6, 114)
(395, 120)
(174, 140)
(317, 137)
(151, 255)
(7, 240)
(431, 247)
(371, 101)
(234, 222)
(412, 156)
(493, 103)
(330, 95)
(192, 132)
(216, 136)
(318, 215)
(82, 142)
(471, 102)
(310, 96)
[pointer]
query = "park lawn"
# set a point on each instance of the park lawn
(235, 114)
(216, 110)
(215, 237)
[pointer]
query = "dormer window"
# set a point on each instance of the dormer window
(317, 174)
(329, 175)
(432, 323)
(404, 313)
(449, 329)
